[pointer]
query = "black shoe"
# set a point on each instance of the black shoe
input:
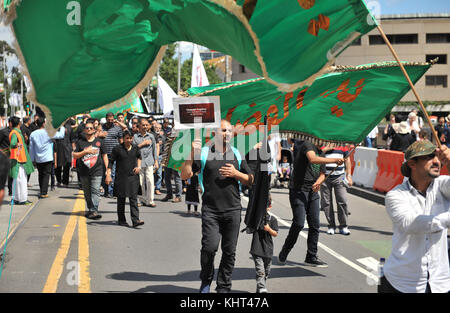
(223, 290)
(315, 261)
(282, 257)
(123, 224)
(138, 223)
(93, 216)
(167, 198)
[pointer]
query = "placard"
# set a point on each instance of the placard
(196, 112)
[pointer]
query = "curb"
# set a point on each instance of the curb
(367, 194)
(17, 225)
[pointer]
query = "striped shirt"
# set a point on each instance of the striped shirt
(112, 139)
(337, 152)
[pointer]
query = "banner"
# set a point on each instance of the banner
(339, 107)
(81, 55)
(131, 104)
(165, 96)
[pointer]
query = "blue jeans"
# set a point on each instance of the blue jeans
(158, 175)
(304, 205)
(109, 189)
(168, 173)
(91, 189)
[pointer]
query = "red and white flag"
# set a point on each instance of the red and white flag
(199, 78)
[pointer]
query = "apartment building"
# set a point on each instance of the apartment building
(416, 38)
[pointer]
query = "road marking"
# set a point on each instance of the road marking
(330, 251)
(369, 263)
(51, 285)
(83, 256)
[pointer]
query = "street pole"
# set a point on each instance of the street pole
(179, 69)
(4, 81)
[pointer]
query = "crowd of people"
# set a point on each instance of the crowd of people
(400, 134)
(122, 159)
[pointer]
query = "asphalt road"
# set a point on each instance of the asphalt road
(58, 250)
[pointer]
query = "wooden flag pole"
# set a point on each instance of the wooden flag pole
(386, 40)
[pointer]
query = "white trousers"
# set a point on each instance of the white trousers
(20, 186)
(147, 184)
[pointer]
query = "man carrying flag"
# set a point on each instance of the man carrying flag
(308, 175)
(419, 210)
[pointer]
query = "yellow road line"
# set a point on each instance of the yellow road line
(57, 268)
(83, 257)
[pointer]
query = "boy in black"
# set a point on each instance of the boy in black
(262, 249)
(126, 181)
(308, 174)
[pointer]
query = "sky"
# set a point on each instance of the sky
(412, 6)
(377, 6)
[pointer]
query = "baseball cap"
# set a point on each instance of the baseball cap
(417, 149)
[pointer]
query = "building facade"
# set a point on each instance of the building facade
(415, 38)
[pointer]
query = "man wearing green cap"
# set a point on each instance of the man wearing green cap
(419, 210)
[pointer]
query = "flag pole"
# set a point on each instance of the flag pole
(386, 40)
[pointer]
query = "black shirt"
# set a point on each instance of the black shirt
(90, 164)
(4, 139)
(126, 183)
(401, 142)
(262, 243)
(220, 193)
(305, 173)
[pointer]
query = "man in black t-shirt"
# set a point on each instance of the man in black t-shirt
(308, 175)
(91, 157)
(224, 168)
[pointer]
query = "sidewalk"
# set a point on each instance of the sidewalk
(19, 212)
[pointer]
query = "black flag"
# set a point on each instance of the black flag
(259, 197)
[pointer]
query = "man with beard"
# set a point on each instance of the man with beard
(221, 169)
(419, 210)
(91, 159)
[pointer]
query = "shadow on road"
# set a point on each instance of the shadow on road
(238, 274)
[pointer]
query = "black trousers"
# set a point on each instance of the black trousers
(304, 205)
(44, 172)
(62, 173)
(217, 226)
(385, 287)
(134, 211)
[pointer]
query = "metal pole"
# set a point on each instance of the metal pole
(4, 81)
(433, 131)
(179, 69)
(226, 69)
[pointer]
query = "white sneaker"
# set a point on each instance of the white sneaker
(330, 231)
(344, 231)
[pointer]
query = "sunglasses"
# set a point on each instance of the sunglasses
(89, 128)
(428, 157)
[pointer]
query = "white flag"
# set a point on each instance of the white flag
(165, 96)
(199, 78)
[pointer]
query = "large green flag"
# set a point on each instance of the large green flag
(339, 107)
(81, 55)
(131, 104)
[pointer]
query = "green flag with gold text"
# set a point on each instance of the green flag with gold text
(339, 107)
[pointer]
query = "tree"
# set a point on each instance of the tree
(14, 74)
(169, 71)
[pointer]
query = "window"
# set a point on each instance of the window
(436, 80)
(241, 68)
(438, 38)
(442, 58)
(397, 39)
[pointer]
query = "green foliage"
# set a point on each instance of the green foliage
(16, 76)
(169, 70)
